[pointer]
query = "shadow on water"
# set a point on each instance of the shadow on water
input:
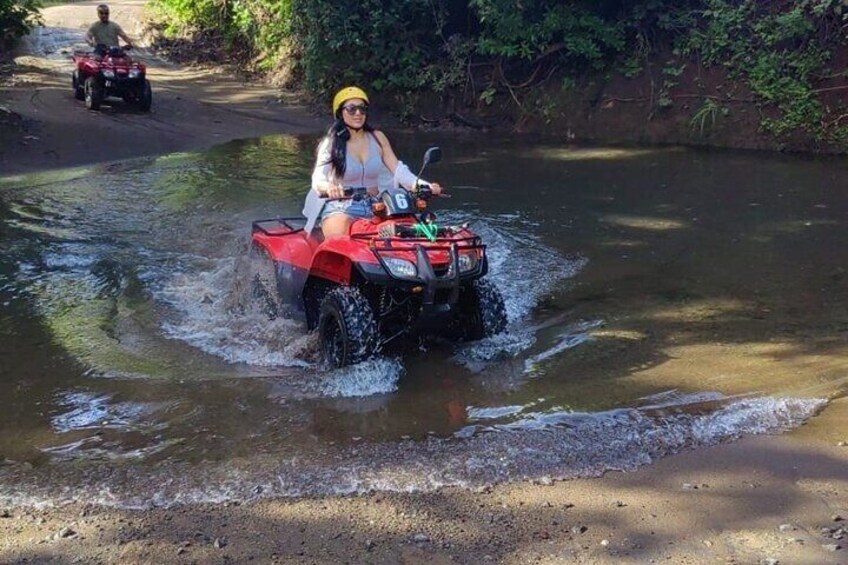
(627, 273)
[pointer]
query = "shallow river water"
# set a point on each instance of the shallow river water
(658, 299)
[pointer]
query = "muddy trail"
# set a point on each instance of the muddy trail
(42, 126)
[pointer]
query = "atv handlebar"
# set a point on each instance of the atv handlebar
(126, 47)
(351, 193)
(422, 190)
(103, 50)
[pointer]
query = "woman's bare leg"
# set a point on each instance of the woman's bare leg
(335, 225)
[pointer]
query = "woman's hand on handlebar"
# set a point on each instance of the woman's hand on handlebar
(429, 189)
(334, 191)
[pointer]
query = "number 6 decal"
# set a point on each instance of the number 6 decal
(401, 201)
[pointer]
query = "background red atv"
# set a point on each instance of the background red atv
(113, 73)
(398, 273)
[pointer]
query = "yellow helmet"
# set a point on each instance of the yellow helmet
(346, 94)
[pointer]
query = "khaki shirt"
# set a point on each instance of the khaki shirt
(107, 33)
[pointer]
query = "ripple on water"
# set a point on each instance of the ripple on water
(524, 269)
(559, 445)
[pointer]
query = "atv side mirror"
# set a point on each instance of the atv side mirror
(433, 155)
(430, 156)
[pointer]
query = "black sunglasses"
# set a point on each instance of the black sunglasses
(353, 109)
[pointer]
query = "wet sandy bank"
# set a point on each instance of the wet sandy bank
(783, 498)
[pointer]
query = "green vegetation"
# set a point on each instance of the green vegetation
(502, 52)
(16, 19)
(779, 51)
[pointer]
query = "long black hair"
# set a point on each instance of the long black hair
(339, 134)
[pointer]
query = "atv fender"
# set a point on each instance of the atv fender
(290, 283)
(332, 266)
(336, 263)
(290, 246)
(335, 258)
(290, 275)
(354, 249)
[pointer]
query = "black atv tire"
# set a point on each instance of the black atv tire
(93, 93)
(145, 97)
(347, 329)
(481, 311)
(79, 92)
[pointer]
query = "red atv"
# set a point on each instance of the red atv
(109, 71)
(395, 274)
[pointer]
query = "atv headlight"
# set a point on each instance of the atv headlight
(401, 267)
(109, 74)
(135, 73)
(467, 262)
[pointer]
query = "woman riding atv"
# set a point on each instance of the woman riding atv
(352, 154)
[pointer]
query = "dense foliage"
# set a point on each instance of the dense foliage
(369, 38)
(780, 49)
(488, 51)
(16, 18)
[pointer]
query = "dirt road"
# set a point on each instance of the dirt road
(42, 126)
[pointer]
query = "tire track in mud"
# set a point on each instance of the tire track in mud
(45, 98)
(150, 122)
(249, 115)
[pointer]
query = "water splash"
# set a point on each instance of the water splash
(524, 269)
(374, 376)
(555, 444)
(214, 314)
(88, 410)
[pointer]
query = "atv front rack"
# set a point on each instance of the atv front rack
(385, 243)
(428, 279)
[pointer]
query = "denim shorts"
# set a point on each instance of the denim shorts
(353, 208)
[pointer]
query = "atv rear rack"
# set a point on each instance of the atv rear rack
(279, 226)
